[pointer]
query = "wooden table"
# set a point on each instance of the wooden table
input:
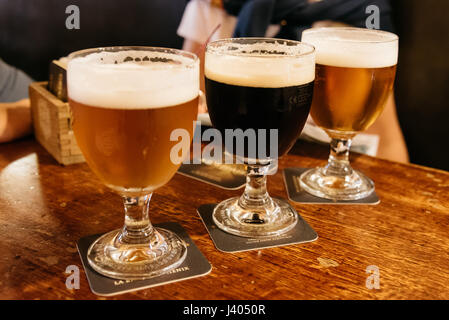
(45, 208)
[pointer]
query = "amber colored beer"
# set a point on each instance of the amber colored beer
(350, 99)
(125, 104)
(129, 149)
(355, 71)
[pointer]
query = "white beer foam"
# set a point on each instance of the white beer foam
(259, 69)
(97, 81)
(353, 47)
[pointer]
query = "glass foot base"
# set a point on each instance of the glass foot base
(350, 187)
(257, 222)
(164, 251)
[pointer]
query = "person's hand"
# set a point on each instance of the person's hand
(15, 120)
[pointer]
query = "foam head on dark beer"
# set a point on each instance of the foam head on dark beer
(263, 65)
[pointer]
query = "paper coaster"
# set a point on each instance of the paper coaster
(226, 176)
(296, 194)
(227, 242)
(194, 265)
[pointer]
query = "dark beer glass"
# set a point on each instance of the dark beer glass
(255, 87)
(126, 102)
(355, 71)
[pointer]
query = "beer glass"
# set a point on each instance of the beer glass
(125, 103)
(355, 71)
(256, 87)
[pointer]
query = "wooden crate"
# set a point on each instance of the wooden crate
(52, 125)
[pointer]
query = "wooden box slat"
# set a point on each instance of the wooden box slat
(52, 125)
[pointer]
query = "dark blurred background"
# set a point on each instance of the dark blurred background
(422, 83)
(32, 33)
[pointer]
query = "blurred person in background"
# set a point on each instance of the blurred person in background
(201, 18)
(287, 19)
(15, 117)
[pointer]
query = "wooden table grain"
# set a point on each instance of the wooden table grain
(45, 208)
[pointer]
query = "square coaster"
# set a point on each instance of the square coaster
(227, 242)
(225, 176)
(194, 265)
(297, 194)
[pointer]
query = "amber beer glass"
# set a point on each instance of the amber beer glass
(355, 71)
(125, 102)
(261, 85)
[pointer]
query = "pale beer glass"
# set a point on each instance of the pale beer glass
(258, 86)
(355, 71)
(125, 103)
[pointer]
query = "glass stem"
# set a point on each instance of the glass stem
(138, 228)
(256, 194)
(338, 163)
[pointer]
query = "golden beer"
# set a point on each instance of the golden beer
(350, 99)
(129, 149)
(355, 71)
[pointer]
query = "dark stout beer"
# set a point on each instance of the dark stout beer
(285, 109)
(258, 86)
(355, 70)
(261, 85)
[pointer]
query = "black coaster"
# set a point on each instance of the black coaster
(296, 194)
(195, 265)
(226, 176)
(227, 242)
